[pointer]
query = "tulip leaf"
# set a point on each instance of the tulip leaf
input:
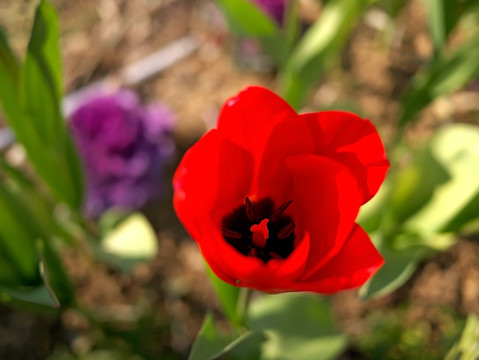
(18, 232)
(128, 243)
(299, 326)
(443, 16)
(10, 75)
(228, 296)
(442, 76)
(247, 19)
(54, 276)
(398, 267)
(213, 344)
(392, 7)
(30, 270)
(42, 84)
(454, 203)
(39, 295)
(22, 187)
(372, 213)
(31, 99)
(318, 48)
(415, 184)
(54, 282)
(467, 348)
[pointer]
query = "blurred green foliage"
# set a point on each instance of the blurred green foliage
(394, 336)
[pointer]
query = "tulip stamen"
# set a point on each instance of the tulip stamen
(271, 238)
(231, 234)
(280, 210)
(249, 209)
(286, 231)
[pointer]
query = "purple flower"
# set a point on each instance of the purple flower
(124, 147)
(275, 8)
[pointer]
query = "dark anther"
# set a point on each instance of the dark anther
(286, 231)
(274, 255)
(260, 230)
(249, 209)
(231, 234)
(280, 210)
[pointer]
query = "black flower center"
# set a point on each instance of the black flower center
(260, 230)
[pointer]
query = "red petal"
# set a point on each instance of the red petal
(351, 268)
(354, 142)
(249, 118)
(289, 138)
(212, 178)
(327, 202)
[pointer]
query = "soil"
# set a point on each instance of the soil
(162, 304)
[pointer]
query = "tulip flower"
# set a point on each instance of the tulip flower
(271, 197)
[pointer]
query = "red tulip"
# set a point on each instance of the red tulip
(271, 197)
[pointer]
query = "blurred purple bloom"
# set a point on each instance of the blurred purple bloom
(275, 8)
(124, 147)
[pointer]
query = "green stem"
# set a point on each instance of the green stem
(243, 305)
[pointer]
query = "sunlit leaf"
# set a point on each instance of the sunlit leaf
(456, 148)
(318, 48)
(10, 75)
(133, 240)
(442, 76)
(41, 127)
(211, 343)
(443, 16)
(228, 296)
(398, 267)
(299, 326)
(415, 184)
(467, 348)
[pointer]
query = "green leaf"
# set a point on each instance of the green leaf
(10, 274)
(436, 11)
(415, 184)
(211, 343)
(398, 267)
(54, 276)
(41, 127)
(130, 242)
(39, 295)
(454, 203)
(10, 75)
(467, 348)
(29, 267)
(24, 189)
(442, 76)
(372, 213)
(247, 19)
(318, 48)
(392, 7)
(299, 326)
(443, 16)
(228, 296)
(18, 231)
(292, 25)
